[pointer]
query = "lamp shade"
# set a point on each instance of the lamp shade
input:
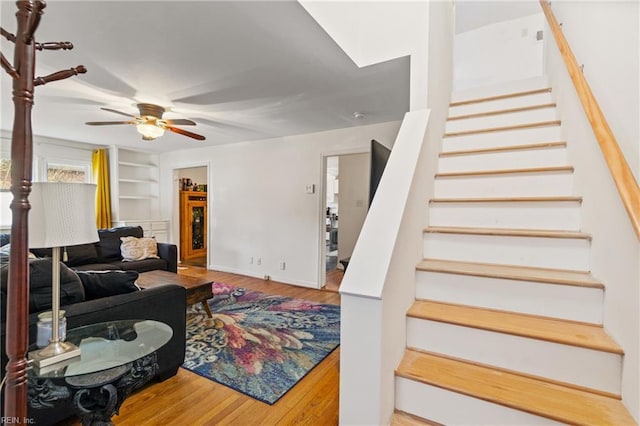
(62, 214)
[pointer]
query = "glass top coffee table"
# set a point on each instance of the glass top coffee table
(116, 358)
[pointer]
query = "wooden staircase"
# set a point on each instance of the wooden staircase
(507, 323)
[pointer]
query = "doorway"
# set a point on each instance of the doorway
(346, 189)
(192, 215)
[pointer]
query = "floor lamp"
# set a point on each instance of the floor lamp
(62, 214)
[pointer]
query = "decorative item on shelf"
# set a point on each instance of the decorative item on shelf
(185, 184)
(62, 214)
(194, 188)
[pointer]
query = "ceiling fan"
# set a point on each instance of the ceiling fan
(150, 123)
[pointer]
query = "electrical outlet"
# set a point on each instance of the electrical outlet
(282, 265)
(259, 261)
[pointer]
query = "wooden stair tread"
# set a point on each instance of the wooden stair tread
(400, 418)
(498, 97)
(519, 273)
(501, 111)
(507, 232)
(524, 147)
(508, 200)
(504, 128)
(527, 170)
(549, 400)
(532, 326)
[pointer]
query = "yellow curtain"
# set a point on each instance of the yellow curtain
(100, 167)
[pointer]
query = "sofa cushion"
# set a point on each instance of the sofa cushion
(97, 267)
(40, 292)
(108, 247)
(133, 248)
(99, 284)
(145, 265)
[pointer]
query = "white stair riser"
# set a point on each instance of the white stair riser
(559, 253)
(557, 215)
(452, 408)
(503, 138)
(505, 185)
(502, 104)
(501, 160)
(574, 303)
(503, 88)
(563, 363)
(502, 120)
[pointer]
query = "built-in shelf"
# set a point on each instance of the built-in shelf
(137, 180)
(136, 197)
(134, 185)
(130, 164)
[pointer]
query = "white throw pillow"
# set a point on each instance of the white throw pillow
(133, 248)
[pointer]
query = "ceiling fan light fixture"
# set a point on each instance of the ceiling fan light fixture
(149, 131)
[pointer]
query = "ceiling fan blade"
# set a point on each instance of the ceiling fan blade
(180, 122)
(185, 133)
(118, 112)
(107, 123)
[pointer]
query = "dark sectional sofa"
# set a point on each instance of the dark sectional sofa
(115, 298)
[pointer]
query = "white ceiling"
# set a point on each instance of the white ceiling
(241, 70)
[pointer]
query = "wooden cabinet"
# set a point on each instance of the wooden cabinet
(193, 225)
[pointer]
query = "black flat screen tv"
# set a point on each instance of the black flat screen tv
(379, 157)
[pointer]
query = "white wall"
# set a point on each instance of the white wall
(604, 36)
(371, 32)
(379, 284)
(353, 200)
(499, 52)
(258, 206)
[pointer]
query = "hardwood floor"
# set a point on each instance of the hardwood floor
(334, 279)
(188, 399)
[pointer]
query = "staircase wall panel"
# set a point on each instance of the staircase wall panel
(560, 362)
(560, 253)
(561, 215)
(551, 300)
(451, 408)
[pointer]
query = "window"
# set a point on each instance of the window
(5, 194)
(5, 174)
(72, 173)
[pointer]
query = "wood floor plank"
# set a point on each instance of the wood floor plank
(528, 170)
(503, 128)
(510, 148)
(519, 273)
(558, 199)
(563, 404)
(501, 111)
(497, 97)
(566, 332)
(507, 232)
(189, 399)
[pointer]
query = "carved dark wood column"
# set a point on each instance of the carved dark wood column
(15, 403)
(23, 73)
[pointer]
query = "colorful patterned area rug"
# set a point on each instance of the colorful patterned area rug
(259, 344)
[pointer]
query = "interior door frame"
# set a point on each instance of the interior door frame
(175, 204)
(322, 191)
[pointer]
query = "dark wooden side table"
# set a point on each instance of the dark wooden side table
(116, 358)
(198, 289)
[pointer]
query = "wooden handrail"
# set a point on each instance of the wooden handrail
(618, 166)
